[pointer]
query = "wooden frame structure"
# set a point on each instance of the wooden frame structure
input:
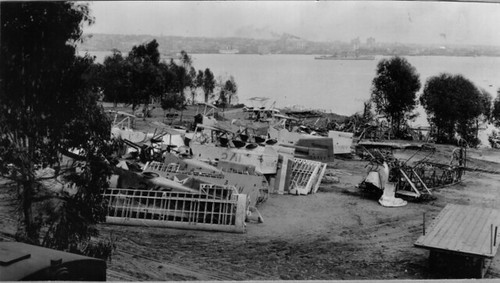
(462, 240)
(216, 208)
(306, 176)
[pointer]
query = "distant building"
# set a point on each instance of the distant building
(370, 42)
(355, 43)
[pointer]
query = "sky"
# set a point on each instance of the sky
(387, 21)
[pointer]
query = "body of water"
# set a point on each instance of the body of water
(338, 86)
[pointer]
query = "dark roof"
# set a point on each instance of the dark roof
(19, 261)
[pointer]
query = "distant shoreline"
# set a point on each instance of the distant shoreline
(283, 44)
(304, 54)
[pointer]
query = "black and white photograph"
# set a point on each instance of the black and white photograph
(249, 140)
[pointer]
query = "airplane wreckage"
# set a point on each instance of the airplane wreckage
(389, 176)
(215, 176)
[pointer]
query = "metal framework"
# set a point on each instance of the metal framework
(438, 175)
(254, 186)
(410, 183)
(216, 208)
(417, 181)
(306, 176)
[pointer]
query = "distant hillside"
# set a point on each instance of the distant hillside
(285, 43)
(257, 33)
(264, 41)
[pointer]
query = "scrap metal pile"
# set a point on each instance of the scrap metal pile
(417, 180)
(214, 177)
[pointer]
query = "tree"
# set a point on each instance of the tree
(485, 103)
(208, 83)
(199, 80)
(231, 88)
(227, 91)
(452, 104)
(394, 90)
(495, 113)
(46, 111)
(194, 85)
(182, 77)
(223, 96)
(146, 52)
(115, 80)
(185, 76)
(186, 60)
(222, 101)
(145, 75)
(169, 78)
(173, 101)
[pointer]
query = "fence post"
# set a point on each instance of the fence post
(424, 224)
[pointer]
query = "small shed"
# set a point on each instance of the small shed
(462, 240)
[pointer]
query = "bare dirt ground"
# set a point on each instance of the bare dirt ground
(334, 234)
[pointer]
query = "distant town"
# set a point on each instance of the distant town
(282, 44)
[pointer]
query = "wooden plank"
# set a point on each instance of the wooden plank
(437, 227)
(462, 229)
(450, 227)
(478, 229)
(282, 176)
(484, 235)
(484, 241)
(458, 215)
(461, 225)
(484, 215)
(311, 179)
(320, 178)
(454, 242)
(443, 217)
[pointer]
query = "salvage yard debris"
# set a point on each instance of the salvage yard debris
(215, 153)
(414, 181)
(159, 181)
(214, 207)
(253, 185)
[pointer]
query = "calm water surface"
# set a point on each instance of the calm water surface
(338, 86)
